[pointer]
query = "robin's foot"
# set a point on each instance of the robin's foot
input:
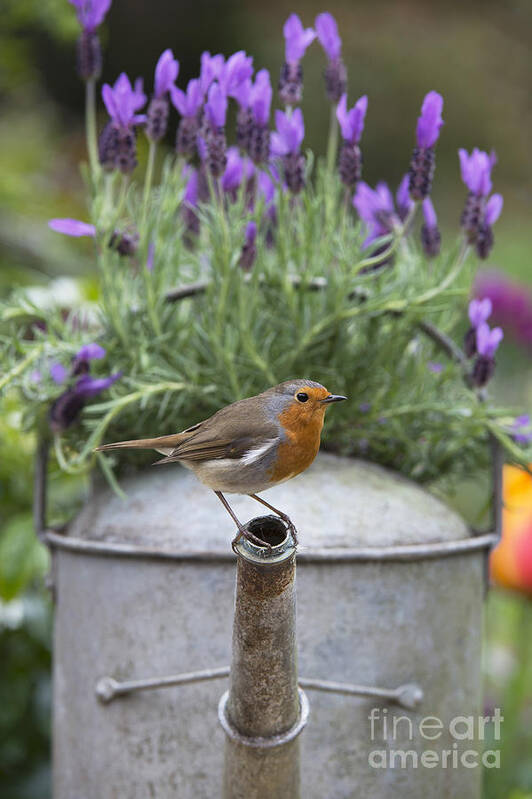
(244, 533)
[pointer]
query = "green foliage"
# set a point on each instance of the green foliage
(313, 306)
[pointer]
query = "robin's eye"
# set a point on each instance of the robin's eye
(302, 397)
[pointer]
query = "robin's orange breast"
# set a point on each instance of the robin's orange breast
(302, 443)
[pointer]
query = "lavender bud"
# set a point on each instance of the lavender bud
(431, 240)
(291, 83)
(483, 370)
(294, 171)
(65, 410)
(335, 79)
(187, 132)
(350, 164)
(108, 146)
(421, 172)
(484, 241)
(216, 147)
(470, 220)
(157, 121)
(244, 122)
(259, 143)
(125, 243)
(126, 158)
(89, 55)
(470, 342)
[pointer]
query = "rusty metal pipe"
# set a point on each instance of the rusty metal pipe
(263, 711)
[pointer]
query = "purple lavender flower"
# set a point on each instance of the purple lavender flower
(512, 303)
(422, 164)
(479, 311)
(297, 39)
(249, 250)
(286, 142)
(90, 14)
(237, 70)
(375, 207)
(260, 99)
(66, 409)
(215, 113)
(435, 367)
(234, 171)
(58, 373)
(520, 430)
(72, 227)
(82, 359)
(118, 147)
(166, 73)
(430, 234)
(150, 258)
(479, 213)
(244, 117)
(188, 104)
(212, 67)
(190, 204)
(335, 73)
(351, 125)
(403, 198)
(487, 341)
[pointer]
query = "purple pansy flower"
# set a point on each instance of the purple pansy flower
(289, 134)
(166, 73)
(297, 39)
(122, 101)
(512, 303)
(91, 13)
(479, 311)
(488, 339)
(352, 121)
(72, 227)
(327, 31)
(430, 121)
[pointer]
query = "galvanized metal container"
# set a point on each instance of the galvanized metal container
(390, 590)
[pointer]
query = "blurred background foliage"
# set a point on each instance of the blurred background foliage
(476, 53)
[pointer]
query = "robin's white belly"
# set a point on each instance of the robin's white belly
(232, 476)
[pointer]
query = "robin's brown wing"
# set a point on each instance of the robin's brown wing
(230, 433)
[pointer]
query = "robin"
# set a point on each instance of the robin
(250, 445)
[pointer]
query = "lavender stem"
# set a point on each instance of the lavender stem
(90, 123)
(148, 180)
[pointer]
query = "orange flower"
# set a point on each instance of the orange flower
(511, 560)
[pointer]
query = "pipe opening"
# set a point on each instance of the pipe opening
(269, 529)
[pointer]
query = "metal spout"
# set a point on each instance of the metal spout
(264, 711)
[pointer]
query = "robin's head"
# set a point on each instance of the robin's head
(300, 402)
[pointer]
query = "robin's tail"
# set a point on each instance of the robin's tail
(164, 444)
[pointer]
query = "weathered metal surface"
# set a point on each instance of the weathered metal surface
(261, 712)
(371, 622)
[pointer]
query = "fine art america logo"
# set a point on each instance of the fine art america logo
(456, 739)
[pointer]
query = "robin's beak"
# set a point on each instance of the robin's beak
(333, 398)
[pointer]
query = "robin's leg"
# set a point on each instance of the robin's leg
(281, 515)
(241, 529)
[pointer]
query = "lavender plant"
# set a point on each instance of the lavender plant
(252, 261)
